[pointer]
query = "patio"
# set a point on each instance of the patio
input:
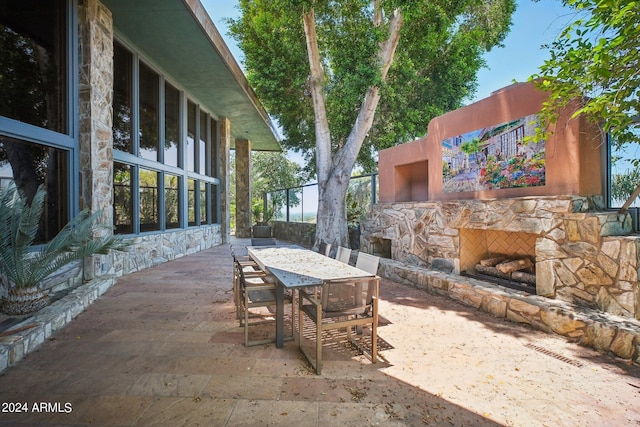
(162, 347)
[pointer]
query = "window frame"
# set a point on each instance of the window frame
(68, 141)
(136, 162)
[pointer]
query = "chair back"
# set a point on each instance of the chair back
(367, 262)
(324, 248)
(343, 254)
(347, 297)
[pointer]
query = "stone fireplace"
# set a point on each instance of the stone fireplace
(477, 188)
(581, 253)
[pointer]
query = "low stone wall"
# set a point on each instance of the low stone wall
(582, 255)
(153, 249)
(35, 329)
(594, 329)
(299, 232)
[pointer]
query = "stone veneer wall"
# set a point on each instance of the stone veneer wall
(582, 256)
(153, 249)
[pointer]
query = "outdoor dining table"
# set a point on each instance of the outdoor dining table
(296, 267)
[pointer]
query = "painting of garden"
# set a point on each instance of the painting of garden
(496, 157)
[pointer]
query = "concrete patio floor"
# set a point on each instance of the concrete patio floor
(162, 348)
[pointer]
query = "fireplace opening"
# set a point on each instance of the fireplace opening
(501, 257)
(381, 247)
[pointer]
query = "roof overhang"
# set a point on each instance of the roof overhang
(179, 37)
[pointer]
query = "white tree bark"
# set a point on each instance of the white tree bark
(334, 171)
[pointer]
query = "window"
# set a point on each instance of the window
(31, 165)
(203, 202)
(191, 204)
(172, 201)
(203, 143)
(37, 142)
(122, 99)
(171, 125)
(122, 198)
(191, 136)
(149, 113)
(169, 183)
(149, 200)
(33, 63)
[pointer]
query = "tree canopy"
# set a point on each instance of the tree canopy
(345, 75)
(433, 71)
(596, 60)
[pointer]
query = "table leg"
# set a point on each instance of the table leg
(280, 315)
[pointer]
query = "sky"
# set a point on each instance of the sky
(534, 24)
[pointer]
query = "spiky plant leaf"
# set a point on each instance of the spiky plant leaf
(20, 263)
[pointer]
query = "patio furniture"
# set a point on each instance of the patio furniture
(344, 303)
(263, 241)
(324, 248)
(368, 262)
(249, 267)
(296, 267)
(343, 254)
(258, 290)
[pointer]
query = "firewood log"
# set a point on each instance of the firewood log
(511, 266)
(523, 277)
(492, 262)
(492, 271)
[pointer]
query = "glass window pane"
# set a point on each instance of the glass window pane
(148, 188)
(122, 198)
(625, 175)
(191, 136)
(191, 202)
(202, 144)
(213, 202)
(149, 111)
(31, 165)
(172, 201)
(203, 203)
(33, 63)
(214, 149)
(122, 98)
(171, 125)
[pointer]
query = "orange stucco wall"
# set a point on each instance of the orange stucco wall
(574, 152)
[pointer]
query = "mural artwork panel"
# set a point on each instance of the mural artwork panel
(500, 156)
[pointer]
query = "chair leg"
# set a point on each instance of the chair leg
(318, 340)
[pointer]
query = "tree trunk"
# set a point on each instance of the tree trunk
(331, 221)
(334, 171)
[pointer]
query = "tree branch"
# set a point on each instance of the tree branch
(364, 121)
(323, 135)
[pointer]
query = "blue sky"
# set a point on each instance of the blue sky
(534, 24)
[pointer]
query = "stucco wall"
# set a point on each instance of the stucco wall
(573, 152)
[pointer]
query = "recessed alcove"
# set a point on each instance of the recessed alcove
(412, 182)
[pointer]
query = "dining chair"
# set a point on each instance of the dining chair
(258, 290)
(344, 303)
(343, 254)
(367, 262)
(324, 248)
(250, 268)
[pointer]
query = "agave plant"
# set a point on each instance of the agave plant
(23, 266)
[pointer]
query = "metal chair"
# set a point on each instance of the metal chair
(258, 290)
(345, 303)
(343, 254)
(367, 262)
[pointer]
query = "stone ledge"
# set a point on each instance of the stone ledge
(50, 320)
(599, 330)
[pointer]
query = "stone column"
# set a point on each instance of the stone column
(243, 188)
(224, 172)
(95, 33)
